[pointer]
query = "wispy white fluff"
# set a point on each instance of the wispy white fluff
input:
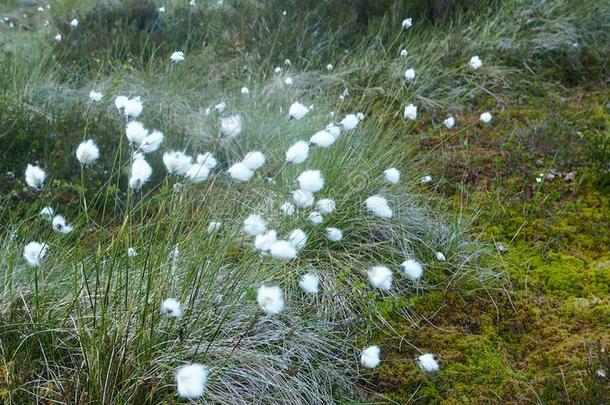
(47, 213)
(302, 199)
(329, 67)
(350, 122)
(428, 362)
(407, 22)
(323, 139)
(254, 160)
(245, 91)
(35, 176)
(334, 234)
(191, 380)
(485, 117)
(310, 283)
(95, 96)
(255, 225)
(298, 238)
(282, 249)
(311, 180)
(220, 107)
(152, 142)
(34, 253)
(360, 116)
(333, 129)
(378, 206)
(426, 179)
(197, 173)
(57, 37)
(288, 81)
(133, 107)
(297, 111)
(440, 256)
(410, 112)
(326, 206)
(410, 74)
(240, 172)
(392, 175)
(171, 307)
(264, 241)
(177, 162)
(298, 152)
(231, 126)
(475, 62)
(370, 357)
(74, 23)
(287, 208)
(278, 70)
(61, 225)
(449, 122)
(140, 173)
(270, 299)
(412, 269)
(207, 159)
(315, 218)
(214, 227)
(177, 56)
(87, 152)
(404, 53)
(380, 277)
(120, 102)
(131, 252)
(136, 132)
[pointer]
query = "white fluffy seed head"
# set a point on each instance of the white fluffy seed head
(302, 199)
(34, 176)
(287, 208)
(231, 126)
(410, 112)
(350, 122)
(136, 132)
(298, 238)
(245, 91)
(315, 218)
(311, 180)
(207, 159)
(47, 212)
(264, 241)
(140, 173)
(370, 357)
(379, 207)
(131, 252)
(334, 234)
(177, 56)
(380, 277)
(310, 283)
(298, 152)
(440, 256)
(283, 249)
(392, 175)
(270, 299)
(323, 139)
(449, 122)
(171, 308)
(34, 253)
(133, 107)
(485, 117)
(61, 225)
(475, 62)
(428, 362)
(254, 160)
(297, 111)
(95, 96)
(326, 206)
(191, 380)
(177, 162)
(87, 152)
(412, 269)
(214, 227)
(409, 74)
(255, 225)
(151, 142)
(197, 173)
(240, 172)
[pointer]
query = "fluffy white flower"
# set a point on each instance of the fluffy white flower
(60, 225)
(240, 172)
(162, 9)
(270, 299)
(136, 132)
(407, 22)
(191, 380)
(428, 362)
(326, 206)
(315, 218)
(329, 67)
(475, 62)
(177, 162)
(302, 198)
(47, 212)
(297, 111)
(311, 180)
(140, 173)
(449, 122)
(310, 283)
(214, 227)
(409, 74)
(298, 152)
(74, 23)
(231, 126)
(220, 107)
(322, 138)
(403, 53)
(197, 173)
(34, 176)
(177, 56)
(152, 142)
(287, 208)
(380, 277)
(171, 307)
(131, 252)
(334, 234)
(264, 241)
(282, 249)
(34, 253)
(278, 70)
(120, 102)
(370, 357)
(350, 122)
(87, 152)
(440, 256)
(485, 117)
(255, 225)
(133, 107)
(57, 37)
(245, 91)
(207, 159)
(426, 179)
(412, 269)
(410, 112)
(298, 239)
(254, 160)
(288, 81)
(287, 62)
(95, 96)
(379, 206)
(392, 175)
(334, 130)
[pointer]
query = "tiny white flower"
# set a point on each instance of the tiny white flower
(283, 250)
(135, 132)
(287, 62)
(426, 179)
(264, 241)
(302, 198)
(297, 111)
(240, 172)
(334, 130)
(220, 107)
(311, 180)
(197, 173)
(449, 122)
(191, 380)
(380, 277)
(231, 126)
(60, 225)
(323, 139)
(310, 283)
(74, 23)
(140, 174)
(412, 269)
(57, 37)
(298, 152)
(409, 74)
(171, 308)
(334, 234)
(133, 107)
(131, 252)
(329, 67)
(35, 176)
(214, 227)
(47, 213)
(278, 70)
(392, 175)
(177, 56)
(326, 206)
(151, 142)
(245, 91)
(298, 239)
(162, 9)
(288, 81)
(254, 160)
(485, 117)
(370, 357)
(120, 102)
(440, 256)
(475, 62)
(287, 208)
(177, 162)
(350, 122)
(87, 152)
(410, 112)
(207, 159)
(270, 299)
(428, 362)
(403, 53)
(360, 116)
(407, 22)
(378, 206)
(34, 253)
(95, 96)
(315, 218)
(255, 225)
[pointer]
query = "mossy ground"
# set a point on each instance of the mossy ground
(542, 336)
